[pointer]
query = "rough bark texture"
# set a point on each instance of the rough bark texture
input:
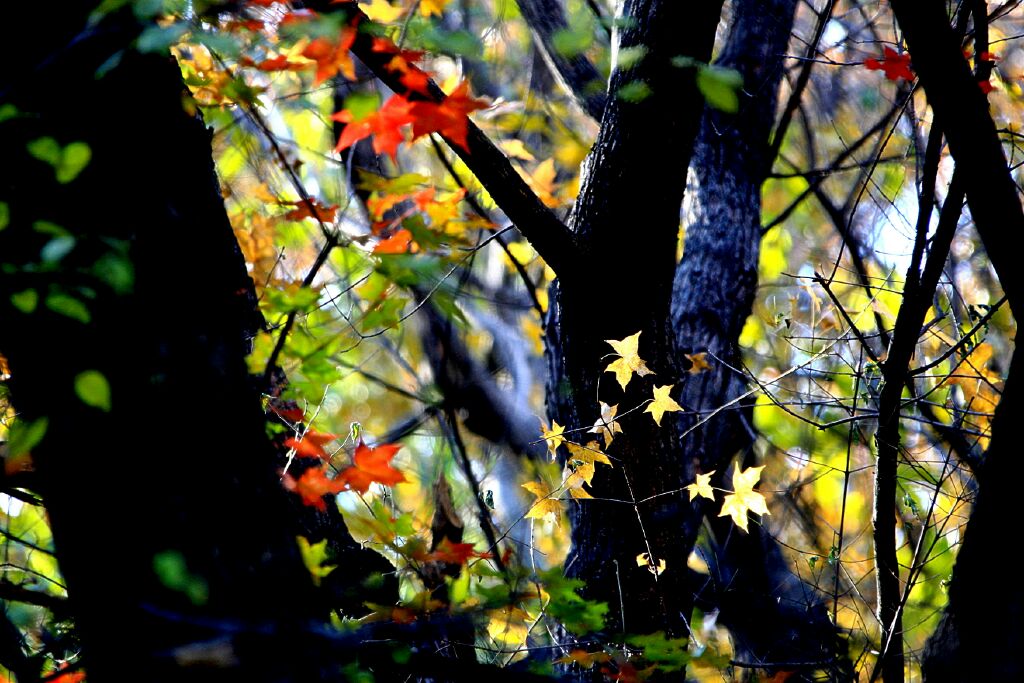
(771, 613)
(626, 224)
(183, 451)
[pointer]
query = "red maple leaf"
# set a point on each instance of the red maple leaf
(280, 63)
(311, 445)
(455, 553)
(385, 126)
(894, 64)
(312, 485)
(332, 56)
(449, 117)
(371, 465)
(986, 86)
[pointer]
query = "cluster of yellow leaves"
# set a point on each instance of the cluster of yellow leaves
(386, 12)
(742, 500)
(981, 388)
(580, 470)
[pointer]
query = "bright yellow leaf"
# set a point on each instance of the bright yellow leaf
(606, 425)
(553, 436)
(702, 487)
(590, 453)
(628, 361)
(583, 474)
(544, 505)
(662, 403)
(313, 556)
(744, 498)
(655, 567)
(381, 10)
(516, 148)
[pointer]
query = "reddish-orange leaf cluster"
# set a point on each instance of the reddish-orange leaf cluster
(371, 465)
(332, 56)
(894, 64)
(312, 485)
(311, 445)
(399, 243)
(280, 63)
(385, 126)
(448, 117)
(311, 209)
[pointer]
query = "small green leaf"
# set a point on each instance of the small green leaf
(45, 149)
(75, 157)
(93, 389)
(24, 436)
(8, 111)
(720, 87)
(314, 556)
(25, 301)
(362, 104)
(634, 91)
(172, 571)
(5, 215)
(68, 306)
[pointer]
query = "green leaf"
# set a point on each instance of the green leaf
(93, 389)
(172, 571)
(362, 104)
(74, 158)
(576, 614)
(161, 38)
(25, 301)
(314, 556)
(45, 149)
(634, 91)
(24, 436)
(720, 87)
(8, 111)
(5, 215)
(68, 306)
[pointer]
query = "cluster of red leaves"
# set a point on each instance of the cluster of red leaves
(369, 466)
(452, 553)
(449, 117)
(311, 209)
(894, 64)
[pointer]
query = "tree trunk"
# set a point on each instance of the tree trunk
(152, 292)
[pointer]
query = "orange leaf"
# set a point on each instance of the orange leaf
(449, 118)
(321, 212)
(894, 64)
(384, 125)
(312, 485)
(399, 243)
(332, 57)
(372, 465)
(311, 444)
(280, 63)
(456, 553)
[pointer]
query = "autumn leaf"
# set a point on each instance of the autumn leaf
(744, 498)
(544, 505)
(584, 659)
(699, 362)
(606, 425)
(655, 567)
(662, 403)
(381, 11)
(590, 453)
(399, 243)
(312, 485)
(311, 444)
(701, 487)
(553, 437)
(311, 209)
(456, 553)
(583, 474)
(332, 56)
(894, 64)
(449, 117)
(372, 466)
(314, 556)
(432, 7)
(628, 361)
(385, 126)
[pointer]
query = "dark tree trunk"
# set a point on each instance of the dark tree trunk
(207, 570)
(626, 222)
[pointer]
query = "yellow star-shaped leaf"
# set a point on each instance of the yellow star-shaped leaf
(606, 425)
(544, 505)
(583, 474)
(744, 498)
(381, 10)
(654, 567)
(662, 403)
(699, 362)
(628, 361)
(553, 436)
(702, 487)
(590, 453)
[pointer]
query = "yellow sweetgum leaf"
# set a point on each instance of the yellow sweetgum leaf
(432, 7)
(544, 505)
(744, 498)
(702, 487)
(381, 10)
(583, 474)
(662, 403)
(553, 436)
(655, 567)
(628, 361)
(699, 362)
(606, 425)
(590, 453)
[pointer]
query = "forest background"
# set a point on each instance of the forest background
(453, 338)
